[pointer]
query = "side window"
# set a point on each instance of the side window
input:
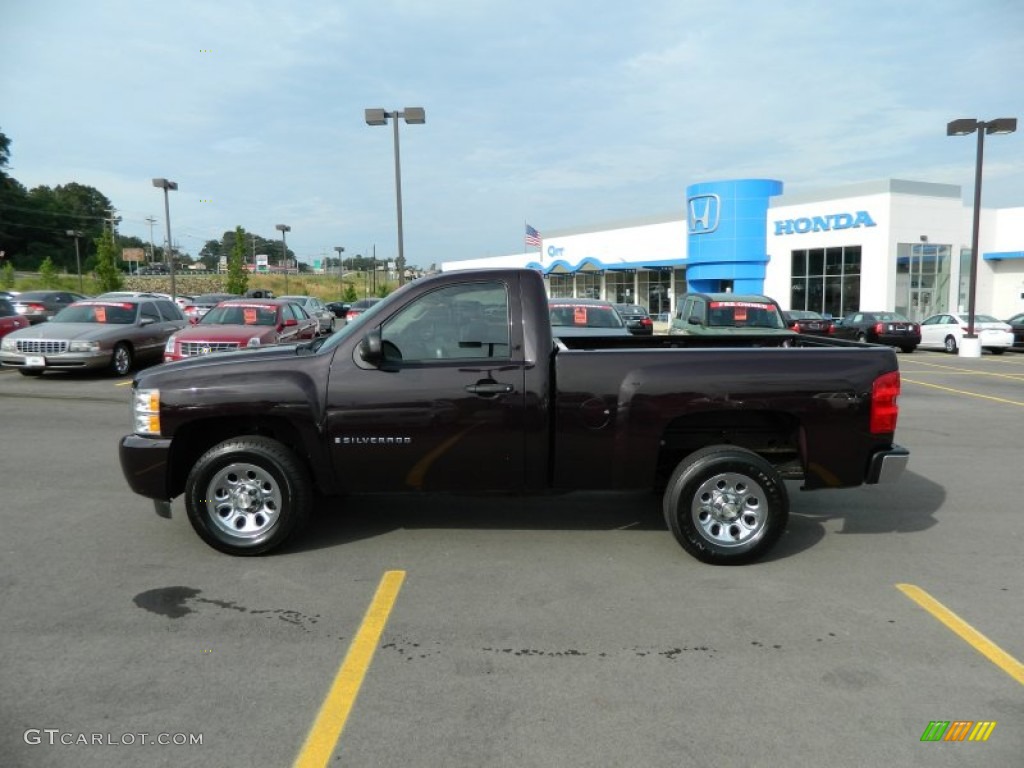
(457, 322)
(169, 311)
(148, 312)
(699, 309)
(299, 311)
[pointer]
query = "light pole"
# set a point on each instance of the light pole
(340, 249)
(965, 127)
(413, 116)
(166, 185)
(282, 228)
(78, 257)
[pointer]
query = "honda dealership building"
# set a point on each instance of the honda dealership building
(890, 244)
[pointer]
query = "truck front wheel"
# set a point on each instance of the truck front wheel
(726, 505)
(247, 495)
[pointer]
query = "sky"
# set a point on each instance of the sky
(557, 114)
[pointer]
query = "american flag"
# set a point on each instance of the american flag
(532, 236)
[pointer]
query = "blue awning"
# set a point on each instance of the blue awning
(1003, 255)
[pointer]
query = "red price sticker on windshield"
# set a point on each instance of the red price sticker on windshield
(741, 313)
(579, 315)
(101, 314)
(249, 315)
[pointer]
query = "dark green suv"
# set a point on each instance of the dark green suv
(728, 313)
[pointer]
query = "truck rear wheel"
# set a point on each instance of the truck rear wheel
(726, 505)
(247, 495)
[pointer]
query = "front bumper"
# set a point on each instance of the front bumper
(887, 466)
(63, 361)
(145, 463)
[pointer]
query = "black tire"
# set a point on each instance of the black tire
(247, 495)
(996, 350)
(950, 344)
(121, 359)
(909, 349)
(699, 505)
(30, 371)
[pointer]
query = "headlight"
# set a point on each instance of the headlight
(169, 346)
(84, 346)
(9, 345)
(254, 342)
(146, 412)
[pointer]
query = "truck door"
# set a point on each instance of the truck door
(445, 412)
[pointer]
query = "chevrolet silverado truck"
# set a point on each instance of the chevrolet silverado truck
(455, 384)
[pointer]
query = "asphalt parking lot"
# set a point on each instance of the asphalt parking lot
(565, 631)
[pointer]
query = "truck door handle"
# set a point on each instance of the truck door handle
(489, 388)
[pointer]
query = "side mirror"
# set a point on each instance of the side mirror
(147, 321)
(371, 349)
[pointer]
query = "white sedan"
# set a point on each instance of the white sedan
(945, 331)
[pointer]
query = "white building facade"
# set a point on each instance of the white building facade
(886, 245)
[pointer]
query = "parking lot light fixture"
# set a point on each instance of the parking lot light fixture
(965, 127)
(413, 116)
(282, 228)
(166, 185)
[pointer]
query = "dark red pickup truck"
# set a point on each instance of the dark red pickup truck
(454, 383)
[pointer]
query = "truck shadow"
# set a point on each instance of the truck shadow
(905, 507)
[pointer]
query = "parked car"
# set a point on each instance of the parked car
(946, 331)
(9, 295)
(96, 333)
(585, 317)
(316, 309)
(339, 308)
(1016, 324)
(39, 306)
(10, 320)
(240, 323)
(806, 321)
(358, 307)
(637, 319)
(259, 293)
(879, 327)
(733, 314)
(203, 303)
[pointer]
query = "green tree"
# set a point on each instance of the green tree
(238, 278)
(350, 294)
(48, 273)
(106, 263)
(7, 275)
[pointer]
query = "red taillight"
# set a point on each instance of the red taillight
(646, 322)
(831, 328)
(885, 393)
(36, 307)
(879, 328)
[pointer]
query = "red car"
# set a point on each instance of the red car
(10, 319)
(241, 323)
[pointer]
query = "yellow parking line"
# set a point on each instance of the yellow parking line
(334, 712)
(123, 383)
(965, 631)
(952, 369)
(963, 392)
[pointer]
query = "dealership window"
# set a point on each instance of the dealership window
(560, 286)
(619, 286)
(922, 279)
(654, 290)
(588, 285)
(826, 280)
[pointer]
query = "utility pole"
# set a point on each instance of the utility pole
(151, 220)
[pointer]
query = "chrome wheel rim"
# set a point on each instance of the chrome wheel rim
(730, 510)
(122, 360)
(243, 501)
